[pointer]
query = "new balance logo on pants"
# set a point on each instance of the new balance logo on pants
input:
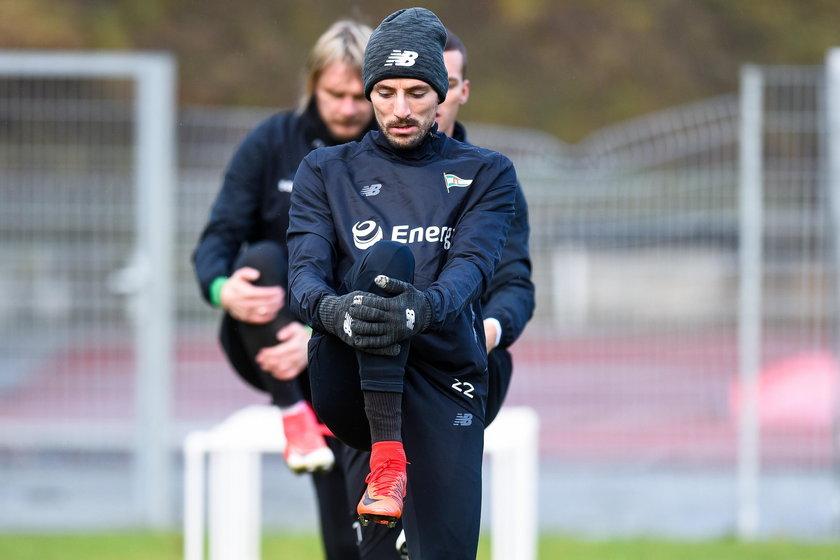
(463, 419)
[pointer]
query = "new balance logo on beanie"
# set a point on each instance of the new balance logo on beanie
(407, 44)
(401, 58)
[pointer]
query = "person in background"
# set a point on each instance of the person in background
(241, 261)
(508, 303)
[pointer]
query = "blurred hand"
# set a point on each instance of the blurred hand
(490, 334)
(286, 360)
(248, 303)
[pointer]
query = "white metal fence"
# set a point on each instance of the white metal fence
(87, 174)
(647, 308)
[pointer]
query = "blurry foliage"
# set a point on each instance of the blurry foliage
(566, 67)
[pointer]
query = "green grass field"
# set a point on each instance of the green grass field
(149, 546)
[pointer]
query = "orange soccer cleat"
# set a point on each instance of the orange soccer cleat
(306, 450)
(382, 501)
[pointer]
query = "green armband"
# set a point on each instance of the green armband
(216, 290)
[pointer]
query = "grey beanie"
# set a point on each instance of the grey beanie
(407, 44)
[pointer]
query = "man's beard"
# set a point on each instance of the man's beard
(401, 141)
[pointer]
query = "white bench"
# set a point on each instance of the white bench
(235, 445)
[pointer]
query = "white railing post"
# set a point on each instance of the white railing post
(154, 304)
(832, 178)
(234, 511)
(195, 447)
(235, 446)
(511, 442)
(749, 312)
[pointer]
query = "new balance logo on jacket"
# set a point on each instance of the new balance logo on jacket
(371, 190)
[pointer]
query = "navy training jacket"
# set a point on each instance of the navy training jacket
(452, 204)
(510, 297)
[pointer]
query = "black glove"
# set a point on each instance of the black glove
(383, 322)
(335, 314)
